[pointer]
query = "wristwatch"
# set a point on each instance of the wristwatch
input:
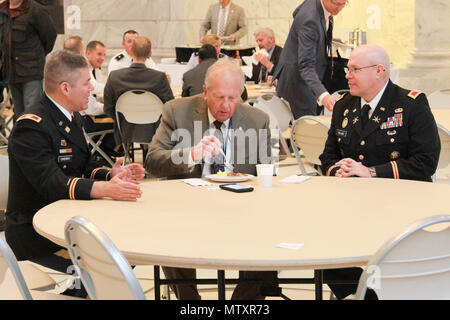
(373, 172)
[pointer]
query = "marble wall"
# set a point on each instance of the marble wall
(172, 22)
(408, 29)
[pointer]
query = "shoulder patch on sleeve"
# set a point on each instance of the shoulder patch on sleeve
(30, 117)
(119, 57)
(341, 96)
(414, 93)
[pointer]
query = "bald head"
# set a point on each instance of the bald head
(374, 54)
(368, 71)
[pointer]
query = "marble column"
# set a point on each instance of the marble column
(429, 69)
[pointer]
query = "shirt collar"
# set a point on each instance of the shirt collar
(227, 6)
(373, 104)
(61, 108)
(212, 119)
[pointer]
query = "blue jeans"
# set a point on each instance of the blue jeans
(24, 95)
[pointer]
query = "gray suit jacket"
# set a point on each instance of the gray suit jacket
(303, 62)
(183, 123)
(137, 76)
(236, 22)
(194, 79)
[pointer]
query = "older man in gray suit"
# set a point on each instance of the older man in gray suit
(303, 62)
(225, 19)
(179, 149)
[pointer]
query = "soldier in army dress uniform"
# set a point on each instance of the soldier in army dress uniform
(379, 130)
(50, 160)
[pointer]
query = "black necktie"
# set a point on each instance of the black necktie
(330, 33)
(365, 115)
(218, 159)
(93, 73)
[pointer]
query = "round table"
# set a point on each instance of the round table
(341, 222)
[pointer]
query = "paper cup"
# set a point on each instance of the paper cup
(265, 174)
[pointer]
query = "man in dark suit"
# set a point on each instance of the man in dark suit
(378, 130)
(50, 160)
(194, 79)
(303, 62)
(137, 76)
(265, 38)
(188, 140)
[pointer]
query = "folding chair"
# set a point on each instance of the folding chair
(96, 144)
(414, 264)
(280, 115)
(137, 107)
(309, 133)
(5, 120)
(104, 271)
(439, 99)
(444, 156)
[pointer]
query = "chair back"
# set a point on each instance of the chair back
(104, 271)
(4, 180)
(10, 268)
(336, 95)
(444, 157)
(309, 133)
(415, 264)
(439, 99)
(139, 107)
(280, 117)
(279, 112)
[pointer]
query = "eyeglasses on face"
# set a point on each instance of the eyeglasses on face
(355, 70)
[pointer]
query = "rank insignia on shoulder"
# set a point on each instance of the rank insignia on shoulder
(414, 93)
(341, 96)
(120, 57)
(30, 117)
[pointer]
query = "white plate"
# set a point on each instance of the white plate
(217, 178)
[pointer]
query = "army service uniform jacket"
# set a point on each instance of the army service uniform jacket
(400, 140)
(49, 160)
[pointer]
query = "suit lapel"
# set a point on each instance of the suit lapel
(322, 16)
(381, 111)
(230, 17)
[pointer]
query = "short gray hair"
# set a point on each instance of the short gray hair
(224, 65)
(62, 66)
(267, 31)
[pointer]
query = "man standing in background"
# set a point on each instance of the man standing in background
(303, 62)
(27, 36)
(225, 19)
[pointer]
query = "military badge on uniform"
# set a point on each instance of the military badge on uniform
(382, 109)
(391, 132)
(393, 122)
(63, 143)
(67, 129)
(341, 133)
(376, 119)
(355, 120)
(345, 112)
(398, 110)
(344, 123)
(60, 123)
(395, 155)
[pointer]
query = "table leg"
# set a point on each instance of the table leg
(221, 284)
(318, 282)
(157, 282)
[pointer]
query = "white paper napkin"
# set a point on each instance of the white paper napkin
(295, 179)
(291, 246)
(196, 182)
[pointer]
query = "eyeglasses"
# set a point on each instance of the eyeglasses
(354, 70)
(337, 4)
